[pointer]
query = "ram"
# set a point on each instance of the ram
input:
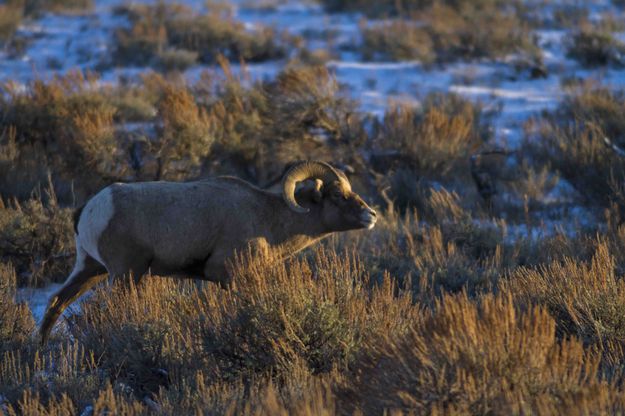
(192, 229)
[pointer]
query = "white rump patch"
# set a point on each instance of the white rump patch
(94, 219)
(79, 266)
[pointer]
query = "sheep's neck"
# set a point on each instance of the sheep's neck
(295, 232)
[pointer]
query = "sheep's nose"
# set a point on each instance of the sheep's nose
(368, 218)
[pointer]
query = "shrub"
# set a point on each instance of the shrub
(587, 299)
(466, 358)
(573, 141)
(176, 59)
(449, 253)
(448, 31)
(56, 6)
(397, 40)
(318, 314)
(13, 11)
(303, 101)
(437, 139)
(593, 47)
(37, 238)
(300, 115)
(16, 321)
(212, 35)
(415, 148)
(10, 17)
(186, 134)
(157, 29)
(375, 9)
(65, 126)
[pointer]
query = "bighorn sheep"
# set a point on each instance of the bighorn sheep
(192, 229)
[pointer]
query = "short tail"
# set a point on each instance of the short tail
(52, 314)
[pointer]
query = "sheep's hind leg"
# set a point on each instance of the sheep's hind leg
(86, 274)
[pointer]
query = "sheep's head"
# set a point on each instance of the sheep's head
(340, 208)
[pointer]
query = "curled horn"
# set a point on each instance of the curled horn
(301, 172)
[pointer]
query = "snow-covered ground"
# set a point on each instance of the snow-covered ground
(58, 43)
(37, 298)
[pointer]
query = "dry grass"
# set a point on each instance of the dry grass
(296, 324)
(10, 17)
(74, 129)
(433, 141)
(448, 253)
(398, 40)
(317, 336)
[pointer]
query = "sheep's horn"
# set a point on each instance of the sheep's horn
(302, 171)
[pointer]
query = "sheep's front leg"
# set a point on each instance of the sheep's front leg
(215, 270)
(219, 265)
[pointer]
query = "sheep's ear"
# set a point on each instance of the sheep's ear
(317, 195)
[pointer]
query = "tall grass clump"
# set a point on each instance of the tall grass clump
(469, 357)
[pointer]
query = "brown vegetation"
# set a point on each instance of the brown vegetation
(37, 238)
(596, 46)
(159, 30)
(13, 11)
(444, 31)
(583, 141)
